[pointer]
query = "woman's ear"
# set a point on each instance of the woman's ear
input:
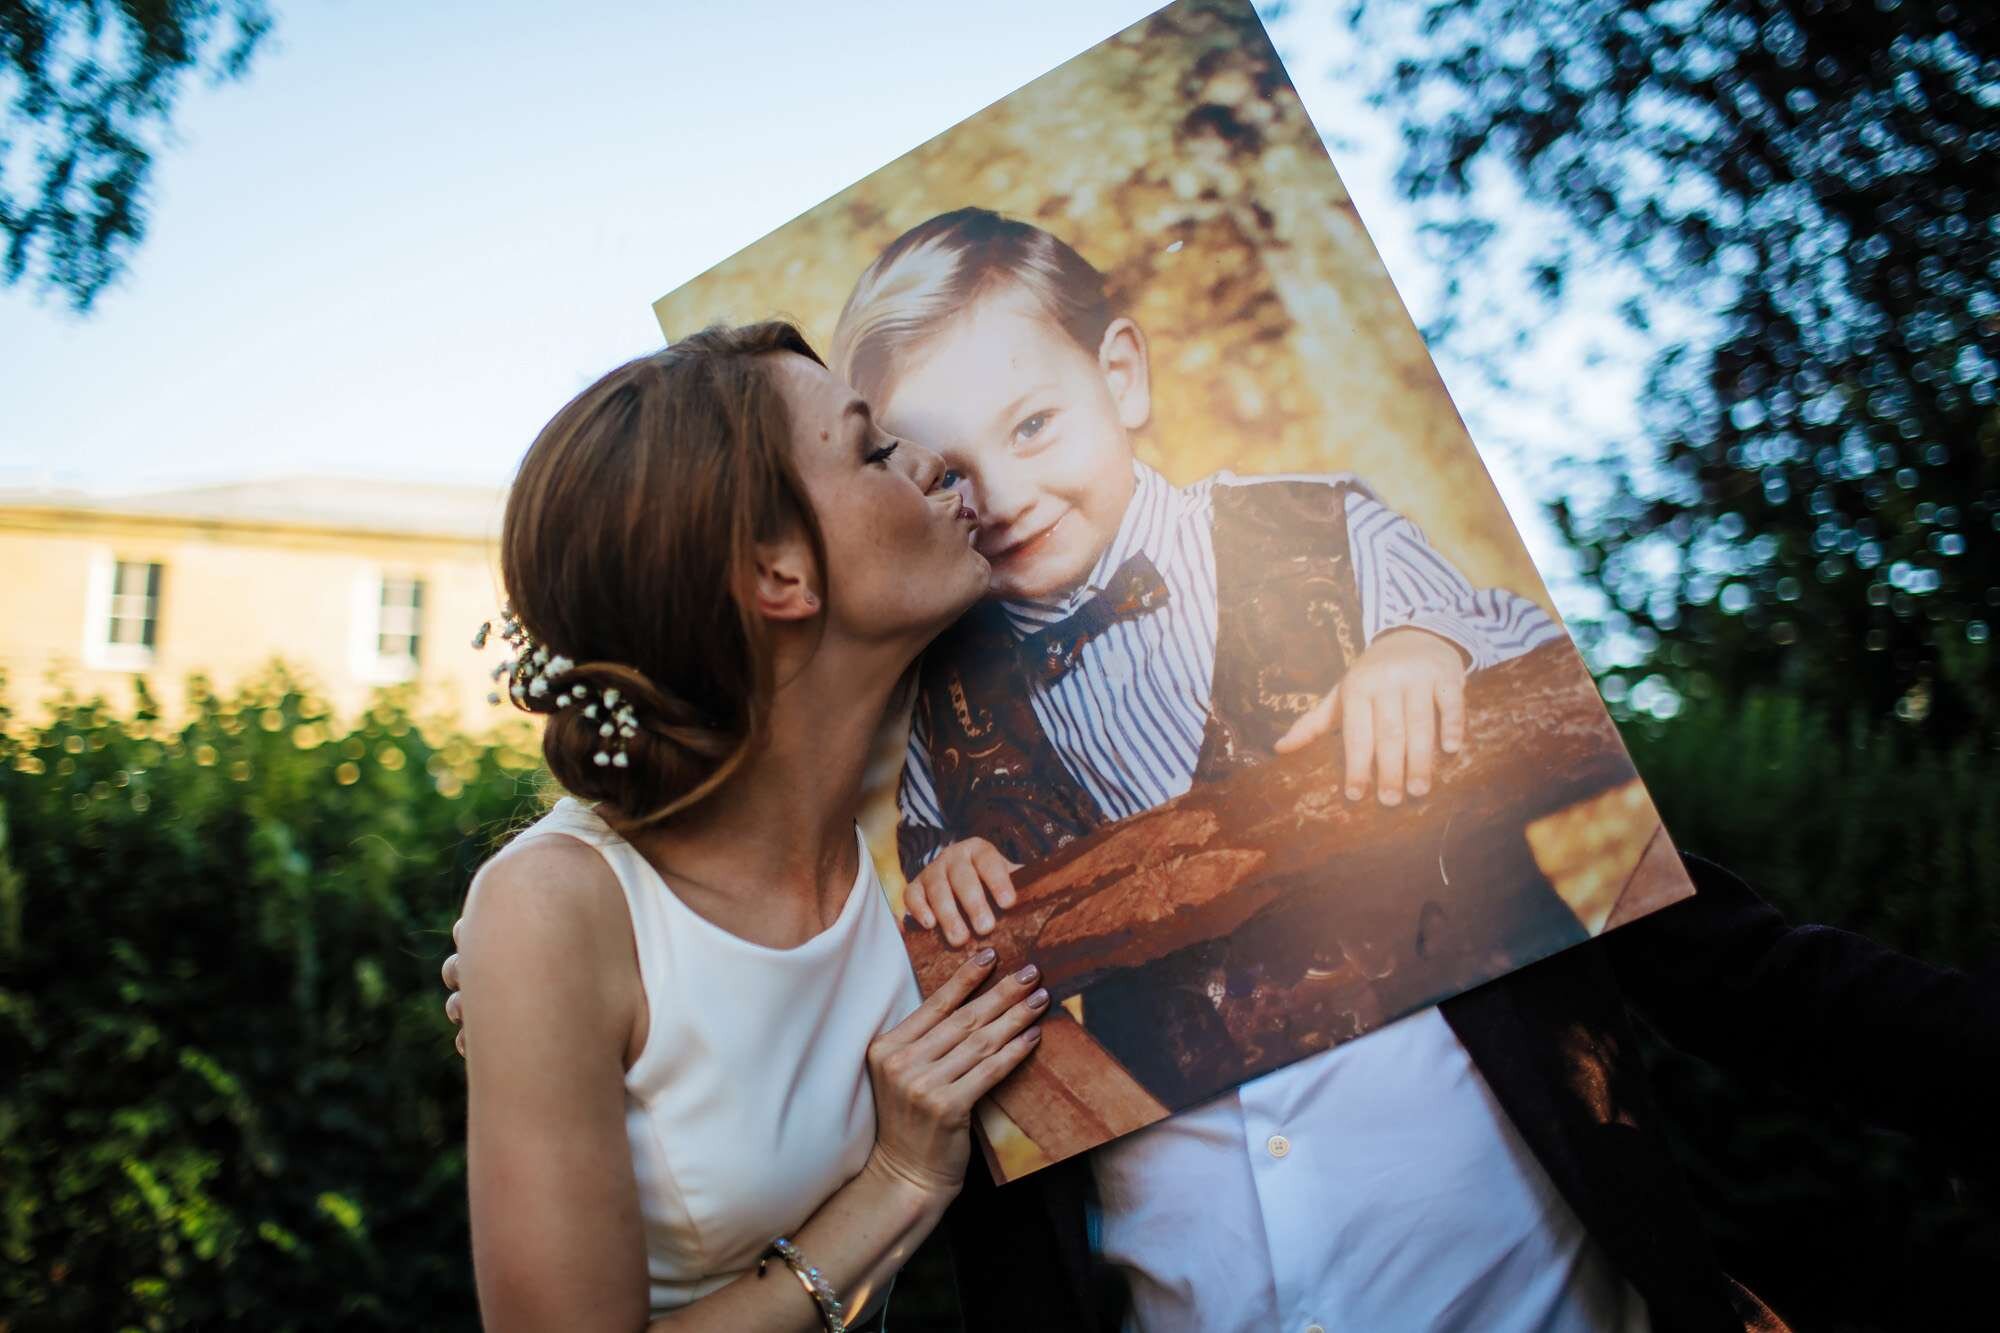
(1121, 356)
(784, 587)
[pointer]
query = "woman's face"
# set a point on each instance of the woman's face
(899, 543)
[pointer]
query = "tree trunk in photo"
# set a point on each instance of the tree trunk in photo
(1352, 910)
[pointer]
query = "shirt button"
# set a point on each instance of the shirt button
(1279, 1145)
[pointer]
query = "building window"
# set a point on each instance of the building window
(399, 621)
(388, 627)
(135, 604)
(122, 613)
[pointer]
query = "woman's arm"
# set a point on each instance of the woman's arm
(549, 968)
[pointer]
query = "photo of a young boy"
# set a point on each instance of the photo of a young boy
(1244, 762)
(1141, 638)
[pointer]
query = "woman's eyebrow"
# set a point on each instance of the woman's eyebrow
(857, 407)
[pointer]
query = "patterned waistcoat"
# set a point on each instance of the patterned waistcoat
(1288, 624)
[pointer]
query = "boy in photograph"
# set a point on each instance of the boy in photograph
(1142, 637)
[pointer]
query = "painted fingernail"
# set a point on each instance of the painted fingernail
(1032, 1035)
(1027, 974)
(1038, 999)
(985, 957)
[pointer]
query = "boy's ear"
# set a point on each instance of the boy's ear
(1121, 356)
(784, 580)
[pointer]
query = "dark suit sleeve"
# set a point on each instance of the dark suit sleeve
(1830, 1014)
(1021, 1254)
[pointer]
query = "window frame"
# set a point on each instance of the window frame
(372, 623)
(102, 598)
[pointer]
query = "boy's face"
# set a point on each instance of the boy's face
(1036, 427)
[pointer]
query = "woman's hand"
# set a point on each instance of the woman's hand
(963, 883)
(454, 1003)
(1401, 702)
(931, 1068)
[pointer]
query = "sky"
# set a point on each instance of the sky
(409, 236)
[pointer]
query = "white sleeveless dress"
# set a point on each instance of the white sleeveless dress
(750, 1103)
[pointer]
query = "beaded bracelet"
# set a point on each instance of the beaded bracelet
(831, 1316)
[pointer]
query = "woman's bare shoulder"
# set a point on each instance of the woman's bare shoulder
(544, 878)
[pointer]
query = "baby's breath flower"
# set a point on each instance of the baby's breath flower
(532, 670)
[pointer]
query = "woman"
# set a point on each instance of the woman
(700, 1055)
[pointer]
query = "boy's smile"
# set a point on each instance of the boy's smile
(1036, 426)
(1005, 546)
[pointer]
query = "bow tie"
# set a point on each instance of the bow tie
(1052, 651)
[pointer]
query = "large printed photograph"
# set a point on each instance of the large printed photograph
(1266, 733)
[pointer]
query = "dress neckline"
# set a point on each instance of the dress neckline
(818, 943)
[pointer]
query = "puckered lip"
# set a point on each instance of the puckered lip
(1023, 546)
(956, 511)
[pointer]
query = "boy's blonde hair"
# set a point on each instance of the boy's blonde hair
(938, 268)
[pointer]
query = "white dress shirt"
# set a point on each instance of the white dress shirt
(1376, 1186)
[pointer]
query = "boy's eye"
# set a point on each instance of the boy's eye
(1032, 427)
(951, 478)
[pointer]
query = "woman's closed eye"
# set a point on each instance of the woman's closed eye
(882, 453)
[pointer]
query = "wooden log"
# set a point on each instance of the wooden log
(1359, 896)
(1078, 1095)
(1199, 867)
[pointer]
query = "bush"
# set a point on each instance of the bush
(235, 1100)
(1839, 1225)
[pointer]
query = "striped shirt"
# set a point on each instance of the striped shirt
(1129, 718)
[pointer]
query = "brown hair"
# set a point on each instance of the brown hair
(628, 547)
(939, 267)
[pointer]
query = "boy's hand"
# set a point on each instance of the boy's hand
(1401, 701)
(962, 884)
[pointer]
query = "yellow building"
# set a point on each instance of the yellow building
(353, 584)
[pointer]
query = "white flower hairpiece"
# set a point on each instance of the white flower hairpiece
(533, 671)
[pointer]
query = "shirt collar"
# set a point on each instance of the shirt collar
(1146, 527)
